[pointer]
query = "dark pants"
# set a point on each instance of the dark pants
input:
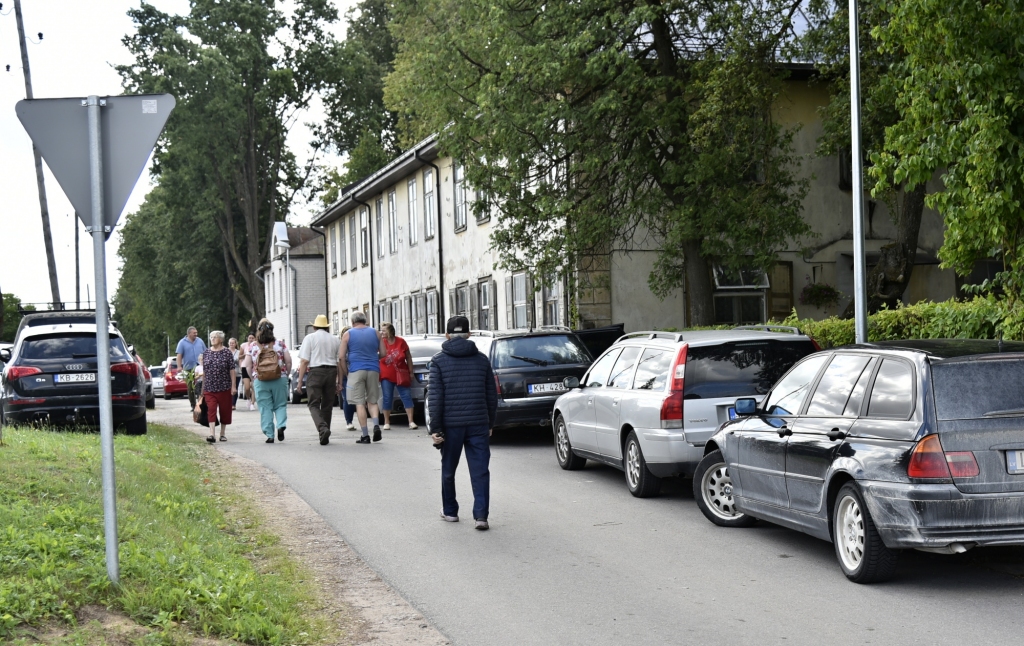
(477, 443)
(347, 408)
(193, 391)
(321, 389)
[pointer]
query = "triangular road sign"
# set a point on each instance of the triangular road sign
(60, 130)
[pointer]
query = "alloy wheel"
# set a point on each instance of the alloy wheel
(850, 532)
(633, 465)
(716, 488)
(562, 442)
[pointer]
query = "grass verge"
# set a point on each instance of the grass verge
(193, 557)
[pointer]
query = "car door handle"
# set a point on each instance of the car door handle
(784, 431)
(615, 402)
(836, 434)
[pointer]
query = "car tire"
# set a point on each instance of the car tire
(641, 482)
(862, 555)
(563, 448)
(136, 426)
(167, 396)
(712, 489)
(151, 403)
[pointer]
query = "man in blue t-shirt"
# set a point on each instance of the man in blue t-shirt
(190, 354)
(359, 361)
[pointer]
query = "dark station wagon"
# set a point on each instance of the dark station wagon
(877, 448)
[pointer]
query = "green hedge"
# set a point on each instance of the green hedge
(981, 318)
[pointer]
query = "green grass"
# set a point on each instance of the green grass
(193, 557)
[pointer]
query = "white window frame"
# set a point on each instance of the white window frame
(364, 233)
(485, 304)
(334, 250)
(459, 184)
(520, 301)
(413, 213)
(379, 203)
(432, 323)
(429, 217)
(392, 222)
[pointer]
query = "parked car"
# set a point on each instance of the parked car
(51, 372)
(174, 381)
(150, 397)
(651, 401)
(157, 373)
(877, 448)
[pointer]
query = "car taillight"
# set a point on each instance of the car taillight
(17, 372)
(927, 459)
(126, 368)
(815, 344)
(962, 464)
(497, 383)
(672, 407)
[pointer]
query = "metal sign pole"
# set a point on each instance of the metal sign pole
(99, 241)
(860, 305)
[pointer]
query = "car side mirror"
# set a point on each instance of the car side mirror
(746, 406)
(571, 382)
(5, 355)
(131, 350)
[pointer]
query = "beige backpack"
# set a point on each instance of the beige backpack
(267, 366)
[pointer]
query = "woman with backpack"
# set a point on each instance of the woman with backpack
(272, 363)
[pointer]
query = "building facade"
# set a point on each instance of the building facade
(294, 281)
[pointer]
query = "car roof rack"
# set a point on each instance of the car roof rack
(652, 334)
(770, 328)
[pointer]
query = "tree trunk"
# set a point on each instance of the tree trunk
(700, 292)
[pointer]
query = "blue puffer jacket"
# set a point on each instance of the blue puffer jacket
(461, 391)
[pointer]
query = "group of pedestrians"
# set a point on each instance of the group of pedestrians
(360, 367)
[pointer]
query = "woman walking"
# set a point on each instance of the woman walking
(348, 409)
(219, 379)
(246, 367)
(272, 363)
(235, 352)
(396, 374)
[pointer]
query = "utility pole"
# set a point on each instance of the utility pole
(860, 304)
(51, 262)
(78, 268)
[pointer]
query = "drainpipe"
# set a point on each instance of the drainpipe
(327, 270)
(440, 239)
(369, 252)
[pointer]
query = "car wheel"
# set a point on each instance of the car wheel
(136, 426)
(563, 448)
(151, 403)
(712, 489)
(167, 395)
(641, 482)
(861, 552)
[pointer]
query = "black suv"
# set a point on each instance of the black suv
(50, 376)
(529, 368)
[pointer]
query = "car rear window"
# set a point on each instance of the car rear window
(69, 346)
(970, 389)
(740, 368)
(533, 351)
(156, 372)
(424, 350)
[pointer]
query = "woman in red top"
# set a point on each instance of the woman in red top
(396, 373)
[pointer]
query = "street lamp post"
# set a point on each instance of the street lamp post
(860, 305)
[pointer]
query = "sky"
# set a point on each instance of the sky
(81, 45)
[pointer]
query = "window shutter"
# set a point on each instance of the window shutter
(452, 300)
(508, 304)
(494, 305)
(531, 305)
(474, 306)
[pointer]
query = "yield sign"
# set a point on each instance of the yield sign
(130, 125)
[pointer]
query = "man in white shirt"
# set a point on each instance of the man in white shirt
(319, 355)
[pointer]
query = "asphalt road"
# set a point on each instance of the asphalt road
(573, 558)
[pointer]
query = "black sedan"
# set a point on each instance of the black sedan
(877, 448)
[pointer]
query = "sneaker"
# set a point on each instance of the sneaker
(376, 433)
(449, 519)
(280, 434)
(325, 437)
(482, 525)
(270, 440)
(252, 406)
(350, 427)
(387, 427)
(363, 440)
(412, 426)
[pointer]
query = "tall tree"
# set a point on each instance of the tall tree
(241, 70)
(592, 125)
(961, 107)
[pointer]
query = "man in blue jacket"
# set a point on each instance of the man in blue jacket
(463, 401)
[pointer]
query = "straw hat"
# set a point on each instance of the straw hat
(321, 321)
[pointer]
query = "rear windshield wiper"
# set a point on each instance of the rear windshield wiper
(83, 355)
(536, 362)
(1005, 413)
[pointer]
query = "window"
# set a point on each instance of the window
(407, 315)
(483, 207)
(533, 351)
(392, 224)
(836, 385)
(342, 260)
(459, 181)
(270, 292)
(553, 303)
(460, 300)
(280, 289)
(970, 389)
(428, 205)
(383, 313)
(652, 370)
(892, 396)
(739, 309)
(788, 394)
(432, 312)
(380, 227)
(599, 372)
(334, 324)
(70, 346)
(413, 213)
(419, 318)
(853, 405)
(364, 232)
(517, 292)
(485, 313)
(396, 315)
(334, 251)
(353, 244)
(622, 373)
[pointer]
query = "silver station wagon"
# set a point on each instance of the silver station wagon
(651, 401)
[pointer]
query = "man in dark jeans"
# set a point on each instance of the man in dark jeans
(319, 355)
(463, 401)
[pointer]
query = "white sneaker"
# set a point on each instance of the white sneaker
(449, 519)
(412, 426)
(386, 427)
(252, 406)
(350, 427)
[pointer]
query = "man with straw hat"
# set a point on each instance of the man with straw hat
(319, 355)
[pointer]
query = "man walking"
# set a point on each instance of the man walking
(319, 355)
(190, 352)
(359, 362)
(463, 402)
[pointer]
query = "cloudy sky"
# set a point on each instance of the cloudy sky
(81, 44)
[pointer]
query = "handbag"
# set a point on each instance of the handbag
(403, 378)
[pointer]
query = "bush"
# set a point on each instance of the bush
(981, 318)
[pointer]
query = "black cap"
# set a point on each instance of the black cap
(458, 325)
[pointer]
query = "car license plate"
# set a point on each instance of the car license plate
(732, 412)
(75, 378)
(421, 377)
(1015, 462)
(535, 389)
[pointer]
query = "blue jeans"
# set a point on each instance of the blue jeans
(389, 388)
(477, 443)
(272, 400)
(347, 408)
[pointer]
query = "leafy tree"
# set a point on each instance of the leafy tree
(11, 316)
(961, 107)
(241, 70)
(594, 125)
